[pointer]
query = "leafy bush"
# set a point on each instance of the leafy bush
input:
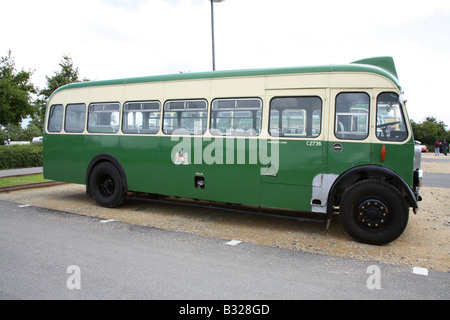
(21, 156)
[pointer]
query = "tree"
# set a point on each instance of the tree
(13, 132)
(16, 92)
(430, 130)
(66, 75)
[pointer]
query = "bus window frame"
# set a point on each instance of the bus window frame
(214, 131)
(402, 115)
(66, 112)
(180, 130)
(352, 114)
(305, 130)
(104, 132)
(50, 114)
(141, 102)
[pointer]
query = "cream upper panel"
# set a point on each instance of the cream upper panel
(218, 88)
(238, 87)
(360, 80)
(193, 89)
(106, 94)
(88, 95)
(143, 91)
(328, 80)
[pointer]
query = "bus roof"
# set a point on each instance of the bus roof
(383, 66)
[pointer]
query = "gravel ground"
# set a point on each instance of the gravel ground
(425, 242)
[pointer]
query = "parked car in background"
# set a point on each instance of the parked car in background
(37, 140)
(423, 147)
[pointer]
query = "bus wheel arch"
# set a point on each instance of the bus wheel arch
(365, 172)
(375, 179)
(374, 212)
(106, 181)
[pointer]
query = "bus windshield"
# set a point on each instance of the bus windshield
(390, 119)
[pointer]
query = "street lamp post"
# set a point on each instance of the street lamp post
(212, 32)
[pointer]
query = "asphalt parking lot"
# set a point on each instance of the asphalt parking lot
(48, 254)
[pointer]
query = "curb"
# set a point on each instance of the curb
(31, 186)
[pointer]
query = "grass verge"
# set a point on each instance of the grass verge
(15, 181)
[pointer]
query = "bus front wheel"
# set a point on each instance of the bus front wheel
(106, 185)
(374, 212)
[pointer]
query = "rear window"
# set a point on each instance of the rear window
(55, 118)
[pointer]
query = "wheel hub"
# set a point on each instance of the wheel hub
(373, 214)
(106, 185)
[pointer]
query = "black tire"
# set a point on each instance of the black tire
(374, 212)
(106, 185)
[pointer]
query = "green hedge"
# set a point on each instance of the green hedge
(20, 156)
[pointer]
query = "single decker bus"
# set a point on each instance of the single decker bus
(328, 140)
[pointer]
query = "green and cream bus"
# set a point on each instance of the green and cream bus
(327, 140)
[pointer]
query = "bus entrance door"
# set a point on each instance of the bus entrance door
(288, 183)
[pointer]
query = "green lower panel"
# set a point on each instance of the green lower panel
(275, 173)
(399, 158)
(74, 163)
(52, 157)
(139, 156)
(291, 186)
(286, 196)
(227, 177)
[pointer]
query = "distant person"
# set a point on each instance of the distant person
(444, 147)
(437, 145)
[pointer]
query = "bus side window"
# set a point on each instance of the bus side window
(141, 117)
(352, 116)
(75, 118)
(185, 117)
(296, 117)
(104, 117)
(55, 118)
(236, 117)
(391, 124)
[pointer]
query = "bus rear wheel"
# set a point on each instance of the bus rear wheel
(106, 185)
(374, 212)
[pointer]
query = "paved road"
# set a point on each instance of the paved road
(13, 172)
(439, 159)
(113, 260)
(439, 180)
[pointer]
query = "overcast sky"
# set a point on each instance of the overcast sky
(109, 39)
